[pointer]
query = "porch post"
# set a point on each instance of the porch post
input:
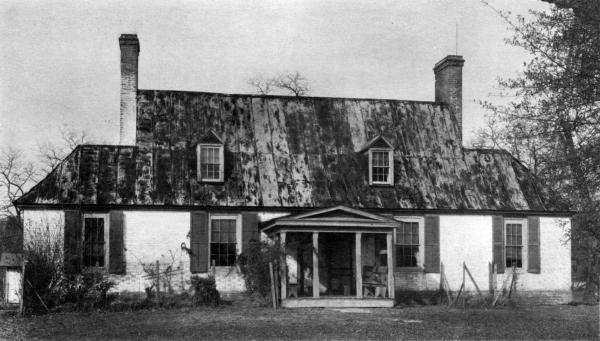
(316, 264)
(284, 273)
(358, 261)
(390, 263)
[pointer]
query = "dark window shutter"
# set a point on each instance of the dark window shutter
(498, 242)
(533, 245)
(73, 241)
(199, 242)
(432, 244)
(249, 229)
(116, 244)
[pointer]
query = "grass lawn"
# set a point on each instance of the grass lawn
(242, 322)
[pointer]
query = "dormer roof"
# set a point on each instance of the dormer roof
(376, 142)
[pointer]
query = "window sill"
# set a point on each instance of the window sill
(212, 182)
(381, 185)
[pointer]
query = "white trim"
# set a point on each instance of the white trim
(421, 255)
(390, 179)
(238, 230)
(221, 162)
(525, 242)
(106, 217)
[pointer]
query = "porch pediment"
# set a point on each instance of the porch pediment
(333, 217)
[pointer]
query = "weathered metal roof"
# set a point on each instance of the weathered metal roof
(290, 152)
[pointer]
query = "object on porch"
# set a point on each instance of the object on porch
(375, 281)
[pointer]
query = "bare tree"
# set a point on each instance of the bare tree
(294, 83)
(290, 83)
(261, 85)
(52, 153)
(16, 175)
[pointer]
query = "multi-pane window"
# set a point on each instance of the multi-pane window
(211, 163)
(407, 244)
(94, 248)
(223, 242)
(381, 167)
(514, 245)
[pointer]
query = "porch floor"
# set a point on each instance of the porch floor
(337, 302)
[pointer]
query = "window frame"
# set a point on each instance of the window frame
(421, 252)
(390, 179)
(106, 218)
(221, 164)
(524, 242)
(238, 234)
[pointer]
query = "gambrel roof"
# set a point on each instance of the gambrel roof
(290, 152)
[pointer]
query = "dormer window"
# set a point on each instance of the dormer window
(211, 159)
(381, 167)
(381, 161)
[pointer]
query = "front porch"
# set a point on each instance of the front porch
(337, 257)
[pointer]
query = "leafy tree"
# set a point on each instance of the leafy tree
(552, 122)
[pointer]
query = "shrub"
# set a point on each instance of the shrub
(205, 291)
(87, 290)
(46, 281)
(254, 265)
(43, 270)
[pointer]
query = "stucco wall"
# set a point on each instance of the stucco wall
(469, 239)
(150, 236)
(157, 236)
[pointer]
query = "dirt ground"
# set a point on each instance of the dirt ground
(235, 322)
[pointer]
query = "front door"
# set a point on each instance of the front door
(336, 264)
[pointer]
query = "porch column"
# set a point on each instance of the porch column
(284, 273)
(316, 264)
(390, 263)
(358, 261)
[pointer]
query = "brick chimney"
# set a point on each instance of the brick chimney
(448, 85)
(130, 50)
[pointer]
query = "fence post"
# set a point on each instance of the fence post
(157, 279)
(273, 296)
(22, 303)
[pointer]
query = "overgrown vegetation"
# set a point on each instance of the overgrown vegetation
(48, 287)
(205, 291)
(254, 265)
(44, 269)
(552, 122)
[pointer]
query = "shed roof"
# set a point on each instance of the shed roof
(290, 152)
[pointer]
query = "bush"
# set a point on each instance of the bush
(43, 270)
(254, 265)
(87, 290)
(205, 291)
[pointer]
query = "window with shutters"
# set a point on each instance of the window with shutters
(211, 162)
(95, 240)
(409, 243)
(381, 166)
(514, 242)
(225, 239)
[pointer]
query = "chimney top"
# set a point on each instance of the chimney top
(129, 39)
(451, 60)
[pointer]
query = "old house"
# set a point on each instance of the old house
(369, 196)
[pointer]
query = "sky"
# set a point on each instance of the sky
(59, 60)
